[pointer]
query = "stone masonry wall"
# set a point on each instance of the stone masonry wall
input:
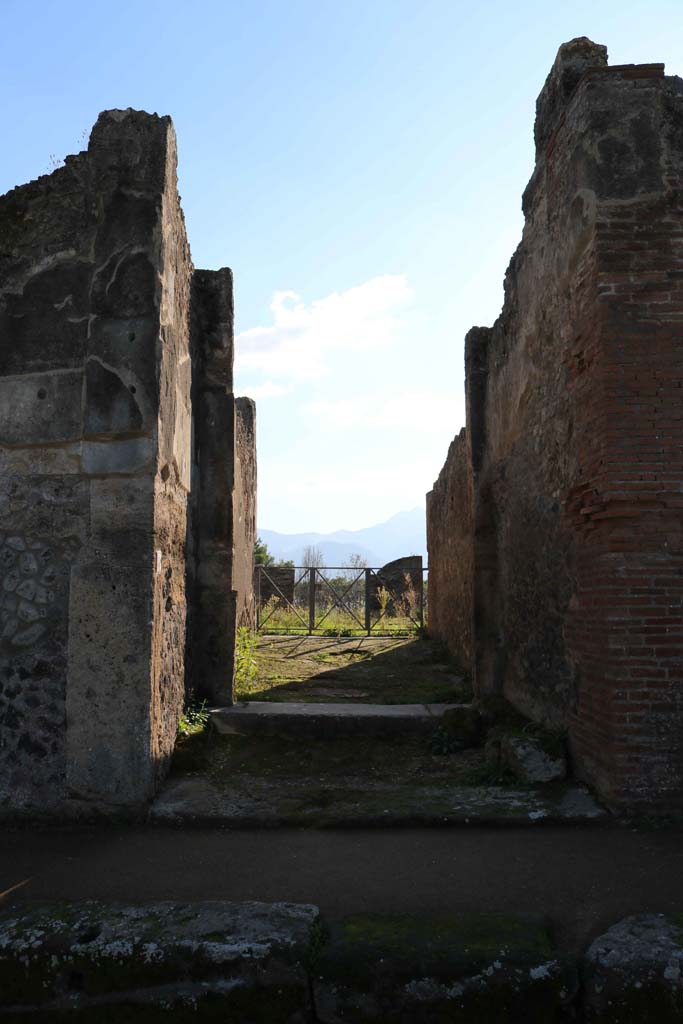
(224, 489)
(89, 694)
(244, 515)
(574, 416)
(449, 540)
(95, 472)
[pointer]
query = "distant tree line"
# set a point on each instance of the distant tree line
(262, 556)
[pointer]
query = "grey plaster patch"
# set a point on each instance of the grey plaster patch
(104, 458)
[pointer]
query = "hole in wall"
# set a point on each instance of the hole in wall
(42, 393)
(131, 336)
(133, 389)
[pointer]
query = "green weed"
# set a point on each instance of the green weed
(246, 664)
(194, 716)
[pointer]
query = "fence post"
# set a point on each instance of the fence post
(368, 626)
(311, 600)
(258, 597)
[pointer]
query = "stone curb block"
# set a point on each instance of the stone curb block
(249, 962)
(399, 968)
(633, 974)
(211, 960)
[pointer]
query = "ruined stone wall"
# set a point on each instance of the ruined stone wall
(97, 348)
(244, 514)
(575, 425)
(84, 286)
(224, 489)
(449, 544)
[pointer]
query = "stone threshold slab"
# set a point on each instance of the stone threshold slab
(363, 804)
(310, 719)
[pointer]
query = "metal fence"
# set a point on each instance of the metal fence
(337, 600)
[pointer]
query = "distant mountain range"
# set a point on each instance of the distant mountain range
(403, 534)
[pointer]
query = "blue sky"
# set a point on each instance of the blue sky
(359, 165)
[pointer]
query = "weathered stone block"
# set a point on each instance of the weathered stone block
(530, 761)
(400, 584)
(122, 518)
(633, 974)
(41, 408)
(108, 695)
(441, 967)
(200, 961)
(127, 458)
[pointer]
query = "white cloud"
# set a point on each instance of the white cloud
(296, 345)
(416, 411)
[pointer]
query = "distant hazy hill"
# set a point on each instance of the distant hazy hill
(403, 534)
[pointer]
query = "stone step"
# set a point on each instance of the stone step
(363, 802)
(321, 721)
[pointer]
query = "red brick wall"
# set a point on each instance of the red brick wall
(576, 440)
(625, 627)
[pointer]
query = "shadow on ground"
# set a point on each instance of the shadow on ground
(245, 781)
(360, 669)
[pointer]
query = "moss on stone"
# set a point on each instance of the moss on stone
(437, 968)
(433, 945)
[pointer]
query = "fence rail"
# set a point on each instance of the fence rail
(383, 601)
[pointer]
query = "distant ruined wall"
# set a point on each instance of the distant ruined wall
(224, 494)
(244, 515)
(449, 541)
(574, 419)
(396, 587)
(96, 468)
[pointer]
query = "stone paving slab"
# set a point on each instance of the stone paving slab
(198, 800)
(97, 961)
(330, 719)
